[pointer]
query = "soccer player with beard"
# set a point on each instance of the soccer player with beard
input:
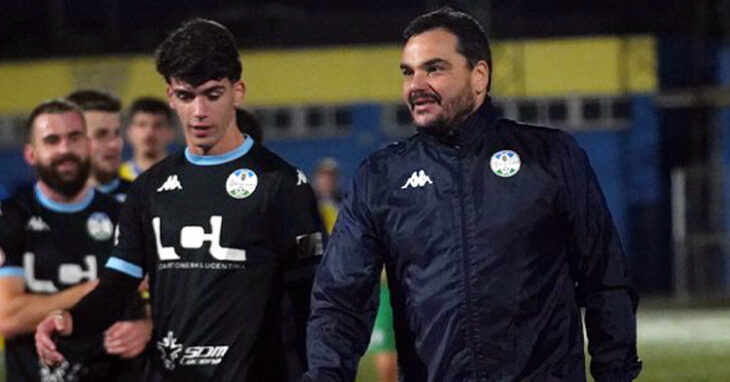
(102, 113)
(149, 131)
(494, 235)
(228, 232)
(53, 240)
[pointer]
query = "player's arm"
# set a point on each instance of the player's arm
(345, 293)
(20, 312)
(117, 287)
(598, 266)
(127, 339)
(300, 235)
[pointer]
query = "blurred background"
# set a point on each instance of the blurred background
(644, 86)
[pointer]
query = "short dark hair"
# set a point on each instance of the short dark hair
(95, 100)
(54, 106)
(199, 51)
(472, 39)
(151, 105)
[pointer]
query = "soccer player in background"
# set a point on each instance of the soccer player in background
(227, 231)
(102, 113)
(494, 234)
(149, 132)
(54, 238)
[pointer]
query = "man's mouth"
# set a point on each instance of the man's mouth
(420, 101)
(200, 130)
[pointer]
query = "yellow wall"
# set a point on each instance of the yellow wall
(599, 65)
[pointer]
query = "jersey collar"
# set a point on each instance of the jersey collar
(212, 160)
(68, 208)
(108, 187)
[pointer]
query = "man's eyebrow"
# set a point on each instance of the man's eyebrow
(434, 61)
(213, 89)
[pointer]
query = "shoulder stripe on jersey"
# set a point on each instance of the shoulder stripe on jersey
(212, 160)
(108, 187)
(55, 206)
(11, 272)
(124, 266)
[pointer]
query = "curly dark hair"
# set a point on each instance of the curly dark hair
(472, 39)
(199, 51)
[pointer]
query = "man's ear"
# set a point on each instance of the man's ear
(480, 76)
(239, 92)
(29, 154)
(169, 93)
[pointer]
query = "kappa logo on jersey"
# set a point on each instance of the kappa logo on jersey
(417, 179)
(68, 274)
(100, 226)
(36, 224)
(170, 351)
(193, 237)
(301, 178)
(171, 184)
(241, 183)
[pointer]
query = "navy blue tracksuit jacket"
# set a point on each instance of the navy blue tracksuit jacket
(487, 273)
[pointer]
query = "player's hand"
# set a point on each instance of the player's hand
(57, 322)
(128, 338)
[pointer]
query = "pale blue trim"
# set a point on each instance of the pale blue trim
(124, 266)
(213, 160)
(136, 170)
(64, 207)
(12, 272)
(109, 187)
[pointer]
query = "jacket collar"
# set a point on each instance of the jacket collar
(471, 131)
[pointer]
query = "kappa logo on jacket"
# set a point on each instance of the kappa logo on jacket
(171, 184)
(417, 179)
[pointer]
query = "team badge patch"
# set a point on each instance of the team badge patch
(241, 183)
(505, 163)
(99, 226)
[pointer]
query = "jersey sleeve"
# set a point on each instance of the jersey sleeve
(127, 256)
(301, 233)
(599, 270)
(116, 295)
(12, 231)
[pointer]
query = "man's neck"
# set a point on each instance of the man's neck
(61, 198)
(231, 141)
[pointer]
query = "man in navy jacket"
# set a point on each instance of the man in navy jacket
(494, 234)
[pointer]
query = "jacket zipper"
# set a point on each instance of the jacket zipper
(471, 330)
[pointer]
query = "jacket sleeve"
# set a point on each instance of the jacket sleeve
(345, 294)
(598, 266)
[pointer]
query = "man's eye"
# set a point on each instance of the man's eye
(406, 71)
(184, 96)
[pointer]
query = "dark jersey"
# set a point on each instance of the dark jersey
(54, 246)
(117, 189)
(230, 243)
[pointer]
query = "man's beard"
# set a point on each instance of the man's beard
(446, 125)
(51, 176)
